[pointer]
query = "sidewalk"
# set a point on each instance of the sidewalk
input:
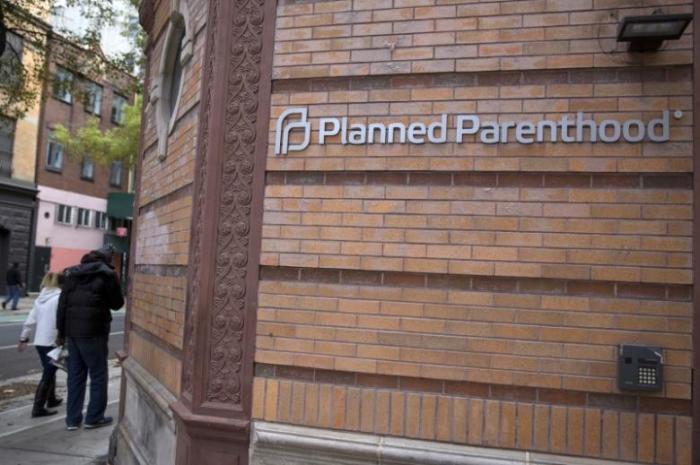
(45, 441)
(18, 316)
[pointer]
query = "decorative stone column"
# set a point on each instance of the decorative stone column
(214, 410)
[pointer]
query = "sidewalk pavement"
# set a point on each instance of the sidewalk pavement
(18, 316)
(45, 441)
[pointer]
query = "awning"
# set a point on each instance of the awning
(120, 205)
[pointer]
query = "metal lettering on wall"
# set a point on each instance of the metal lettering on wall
(566, 130)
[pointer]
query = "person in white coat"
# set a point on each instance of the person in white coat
(42, 320)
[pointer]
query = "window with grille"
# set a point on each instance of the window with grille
(101, 220)
(115, 174)
(118, 103)
(54, 156)
(63, 85)
(11, 69)
(84, 217)
(93, 98)
(87, 169)
(7, 137)
(64, 214)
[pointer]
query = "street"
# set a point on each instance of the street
(14, 364)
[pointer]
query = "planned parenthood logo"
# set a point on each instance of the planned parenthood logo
(566, 130)
(284, 128)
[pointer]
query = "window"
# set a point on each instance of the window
(63, 85)
(87, 169)
(115, 174)
(176, 76)
(84, 217)
(64, 214)
(101, 221)
(167, 84)
(93, 98)
(7, 136)
(54, 156)
(11, 60)
(118, 103)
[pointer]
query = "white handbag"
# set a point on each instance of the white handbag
(59, 357)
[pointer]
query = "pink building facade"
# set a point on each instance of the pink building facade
(69, 225)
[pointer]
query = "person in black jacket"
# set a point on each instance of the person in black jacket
(13, 279)
(89, 292)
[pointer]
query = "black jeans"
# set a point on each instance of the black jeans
(86, 355)
(49, 372)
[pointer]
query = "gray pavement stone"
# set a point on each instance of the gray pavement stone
(20, 457)
(38, 441)
(30, 447)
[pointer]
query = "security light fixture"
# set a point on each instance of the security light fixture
(647, 33)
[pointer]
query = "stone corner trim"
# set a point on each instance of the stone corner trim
(274, 443)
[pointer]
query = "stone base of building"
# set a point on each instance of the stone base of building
(146, 432)
(274, 443)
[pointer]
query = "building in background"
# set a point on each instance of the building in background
(18, 146)
(72, 209)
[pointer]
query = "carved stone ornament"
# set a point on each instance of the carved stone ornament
(179, 26)
(240, 133)
(214, 410)
(199, 200)
(227, 210)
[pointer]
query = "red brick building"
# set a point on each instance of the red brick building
(412, 232)
(72, 208)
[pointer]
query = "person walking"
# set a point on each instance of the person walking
(90, 291)
(13, 279)
(42, 321)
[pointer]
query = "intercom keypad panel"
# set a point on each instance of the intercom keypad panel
(640, 368)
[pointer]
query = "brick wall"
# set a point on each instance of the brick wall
(164, 217)
(341, 38)
(492, 283)
(73, 116)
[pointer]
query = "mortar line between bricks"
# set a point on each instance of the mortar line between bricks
(386, 81)
(677, 180)
(278, 273)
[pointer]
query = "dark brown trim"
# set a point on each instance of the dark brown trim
(487, 78)
(696, 247)
(214, 410)
(642, 291)
(486, 179)
(627, 402)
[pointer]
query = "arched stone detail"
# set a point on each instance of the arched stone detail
(179, 25)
